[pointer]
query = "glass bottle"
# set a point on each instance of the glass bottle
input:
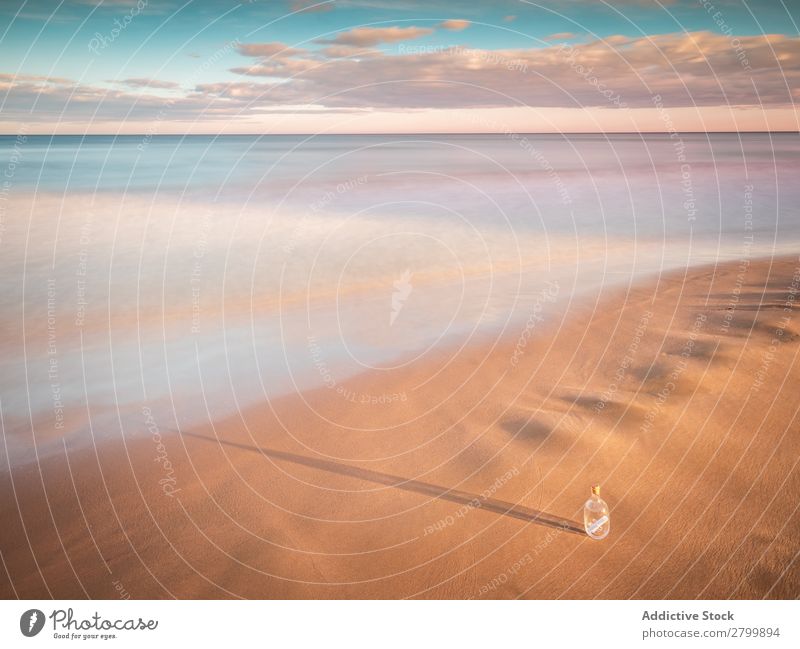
(596, 516)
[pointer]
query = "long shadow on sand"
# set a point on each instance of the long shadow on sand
(462, 497)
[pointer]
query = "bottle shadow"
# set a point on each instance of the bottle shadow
(417, 486)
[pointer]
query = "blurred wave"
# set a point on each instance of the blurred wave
(206, 274)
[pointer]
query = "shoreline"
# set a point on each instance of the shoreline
(312, 495)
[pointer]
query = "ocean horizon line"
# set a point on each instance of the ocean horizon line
(415, 134)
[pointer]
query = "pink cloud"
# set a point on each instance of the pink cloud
(268, 50)
(14, 79)
(455, 25)
(686, 70)
(371, 36)
(278, 68)
(347, 51)
(560, 36)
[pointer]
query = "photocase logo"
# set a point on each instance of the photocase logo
(402, 289)
(31, 622)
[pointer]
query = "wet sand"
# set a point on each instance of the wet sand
(463, 474)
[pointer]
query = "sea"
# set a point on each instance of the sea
(154, 281)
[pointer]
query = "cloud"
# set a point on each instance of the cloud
(148, 83)
(276, 60)
(12, 79)
(455, 25)
(701, 68)
(347, 51)
(371, 36)
(282, 68)
(560, 36)
(57, 102)
(268, 50)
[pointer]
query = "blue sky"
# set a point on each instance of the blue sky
(188, 45)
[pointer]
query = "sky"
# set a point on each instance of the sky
(398, 66)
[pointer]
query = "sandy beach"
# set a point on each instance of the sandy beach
(462, 474)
